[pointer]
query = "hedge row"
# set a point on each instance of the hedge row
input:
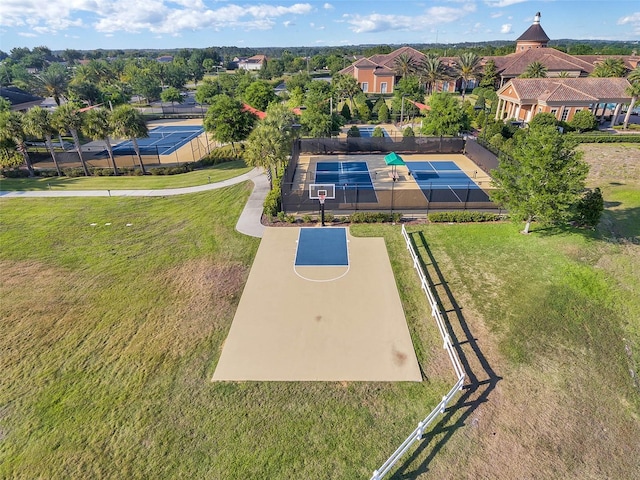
(464, 216)
(595, 138)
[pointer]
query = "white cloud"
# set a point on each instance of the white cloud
(156, 16)
(503, 3)
(287, 23)
(506, 28)
(27, 34)
(432, 16)
(327, 6)
(633, 19)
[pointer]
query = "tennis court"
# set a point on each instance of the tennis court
(352, 181)
(366, 132)
(444, 181)
(163, 140)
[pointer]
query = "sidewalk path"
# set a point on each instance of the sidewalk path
(249, 222)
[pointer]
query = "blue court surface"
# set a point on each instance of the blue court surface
(352, 180)
(444, 181)
(322, 247)
(366, 132)
(161, 141)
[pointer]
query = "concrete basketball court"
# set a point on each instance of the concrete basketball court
(319, 323)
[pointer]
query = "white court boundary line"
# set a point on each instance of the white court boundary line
(347, 266)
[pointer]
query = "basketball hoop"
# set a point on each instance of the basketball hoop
(321, 197)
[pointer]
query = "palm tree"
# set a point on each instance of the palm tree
(96, 126)
(37, 123)
(67, 118)
(346, 86)
(11, 128)
(53, 82)
(266, 147)
(468, 68)
(127, 122)
(634, 91)
(564, 74)
(535, 70)
(404, 65)
(610, 67)
(431, 70)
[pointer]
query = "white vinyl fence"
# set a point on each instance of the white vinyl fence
(416, 435)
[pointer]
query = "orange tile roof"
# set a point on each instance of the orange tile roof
(568, 90)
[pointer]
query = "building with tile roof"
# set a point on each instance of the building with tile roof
(533, 37)
(522, 98)
(376, 74)
(252, 63)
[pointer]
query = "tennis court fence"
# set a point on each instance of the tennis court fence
(398, 196)
(418, 433)
(97, 157)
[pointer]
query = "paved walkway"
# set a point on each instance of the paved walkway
(249, 223)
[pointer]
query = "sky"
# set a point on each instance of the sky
(168, 24)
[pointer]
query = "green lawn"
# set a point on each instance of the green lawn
(112, 333)
(217, 173)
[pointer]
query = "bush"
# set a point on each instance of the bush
(353, 132)
(408, 132)
(377, 133)
(589, 208)
(464, 216)
(307, 218)
(73, 172)
(272, 202)
(15, 173)
(595, 137)
(375, 217)
(584, 121)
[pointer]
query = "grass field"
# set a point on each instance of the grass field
(218, 173)
(111, 334)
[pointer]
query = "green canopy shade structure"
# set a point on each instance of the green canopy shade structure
(393, 159)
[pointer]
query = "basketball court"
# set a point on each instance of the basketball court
(319, 305)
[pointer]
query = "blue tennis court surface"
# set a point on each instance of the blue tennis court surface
(162, 140)
(352, 180)
(444, 181)
(322, 247)
(366, 132)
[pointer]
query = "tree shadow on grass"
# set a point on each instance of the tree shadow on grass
(481, 379)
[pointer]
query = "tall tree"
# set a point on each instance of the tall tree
(67, 117)
(127, 122)
(430, 71)
(12, 133)
(96, 125)
(468, 67)
(445, 117)
(38, 123)
(489, 75)
(227, 121)
(259, 95)
(53, 82)
(535, 70)
(266, 147)
(347, 87)
(634, 91)
(610, 67)
(404, 65)
(542, 179)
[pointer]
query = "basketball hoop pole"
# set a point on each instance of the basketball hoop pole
(321, 199)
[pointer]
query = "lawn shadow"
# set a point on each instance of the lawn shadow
(481, 379)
